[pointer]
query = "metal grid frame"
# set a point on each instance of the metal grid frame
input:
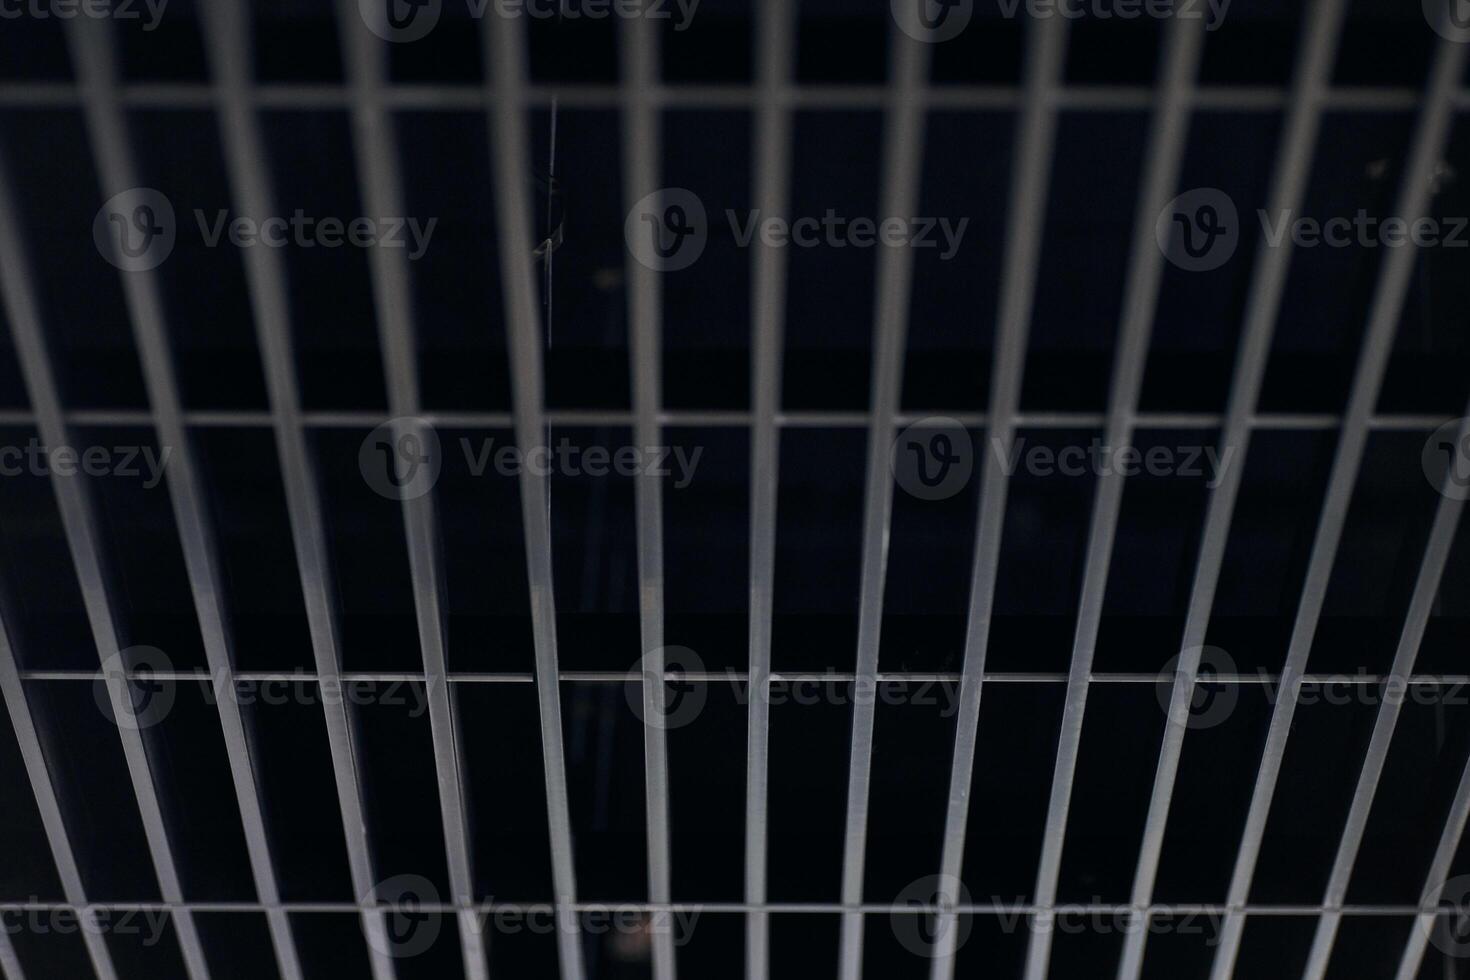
(506, 93)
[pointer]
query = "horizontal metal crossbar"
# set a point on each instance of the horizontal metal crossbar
(722, 419)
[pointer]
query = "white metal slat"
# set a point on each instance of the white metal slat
(776, 27)
(641, 167)
(903, 142)
(375, 150)
(1029, 184)
(504, 48)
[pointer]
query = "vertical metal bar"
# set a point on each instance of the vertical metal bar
(902, 162)
(1426, 587)
(504, 47)
(10, 967)
(376, 150)
(1434, 882)
(1293, 168)
(1170, 129)
(1393, 283)
(13, 690)
(1030, 177)
(195, 534)
(227, 33)
(641, 167)
(775, 51)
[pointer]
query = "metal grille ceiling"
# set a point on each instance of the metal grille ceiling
(357, 735)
